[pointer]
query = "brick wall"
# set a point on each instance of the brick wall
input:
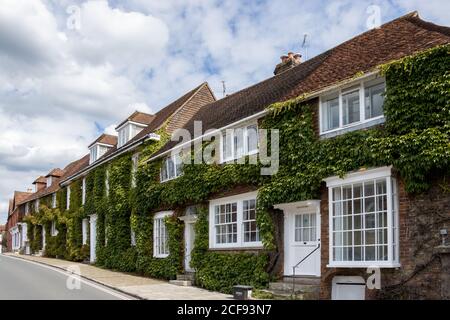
(420, 219)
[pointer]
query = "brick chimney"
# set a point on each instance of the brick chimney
(288, 62)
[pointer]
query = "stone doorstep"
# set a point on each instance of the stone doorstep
(181, 283)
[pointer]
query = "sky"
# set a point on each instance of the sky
(71, 70)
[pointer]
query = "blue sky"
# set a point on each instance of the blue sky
(61, 86)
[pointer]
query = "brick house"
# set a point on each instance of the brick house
(358, 219)
(16, 235)
(132, 132)
(385, 235)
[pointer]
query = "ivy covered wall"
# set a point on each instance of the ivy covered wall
(414, 139)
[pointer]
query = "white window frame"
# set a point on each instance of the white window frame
(393, 241)
(360, 85)
(107, 182)
(54, 200)
(53, 230)
(230, 132)
(128, 131)
(134, 168)
(160, 216)
(97, 151)
(240, 243)
(133, 237)
(83, 191)
(37, 202)
(49, 181)
(27, 208)
(68, 198)
(84, 227)
(175, 156)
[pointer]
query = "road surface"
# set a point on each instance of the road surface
(25, 280)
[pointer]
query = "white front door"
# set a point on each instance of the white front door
(302, 239)
(189, 237)
(93, 237)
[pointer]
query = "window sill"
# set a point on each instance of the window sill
(171, 179)
(352, 127)
(248, 248)
(365, 265)
(161, 256)
(244, 246)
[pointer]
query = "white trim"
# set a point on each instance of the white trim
(245, 152)
(240, 243)
(368, 174)
(83, 191)
(391, 213)
(210, 134)
(157, 216)
(131, 122)
(359, 84)
(68, 198)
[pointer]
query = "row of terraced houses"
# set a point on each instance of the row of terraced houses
(325, 244)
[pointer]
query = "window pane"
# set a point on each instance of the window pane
(330, 114)
(226, 223)
(252, 139)
(350, 107)
(164, 170)
(238, 143)
(374, 100)
(178, 164)
(170, 168)
(360, 221)
(227, 145)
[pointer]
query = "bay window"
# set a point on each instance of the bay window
(232, 222)
(363, 214)
(357, 106)
(172, 167)
(239, 142)
(160, 235)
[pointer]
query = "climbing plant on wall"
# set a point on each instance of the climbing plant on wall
(414, 139)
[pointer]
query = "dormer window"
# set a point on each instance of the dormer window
(49, 181)
(97, 151)
(127, 131)
(354, 107)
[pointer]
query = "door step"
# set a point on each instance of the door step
(308, 288)
(181, 283)
(188, 276)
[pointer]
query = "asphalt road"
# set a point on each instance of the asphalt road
(24, 280)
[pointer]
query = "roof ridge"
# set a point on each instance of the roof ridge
(191, 96)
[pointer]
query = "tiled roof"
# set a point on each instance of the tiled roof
(158, 120)
(55, 173)
(162, 115)
(105, 139)
(69, 170)
(41, 179)
(139, 117)
(393, 40)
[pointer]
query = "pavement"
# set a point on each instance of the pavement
(128, 285)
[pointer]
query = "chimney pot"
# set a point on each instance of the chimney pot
(287, 62)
